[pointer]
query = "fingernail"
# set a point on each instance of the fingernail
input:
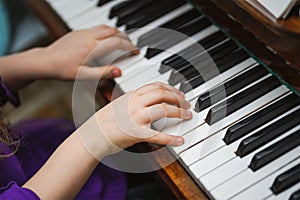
(179, 141)
(116, 72)
(182, 93)
(135, 52)
(187, 104)
(188, 115)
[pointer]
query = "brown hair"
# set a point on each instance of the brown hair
(7, 139)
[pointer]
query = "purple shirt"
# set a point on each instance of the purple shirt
(39, 139)
(13, 192)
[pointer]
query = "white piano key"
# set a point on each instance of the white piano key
(261, 190)
(232, 167)
(204, 148)
(248, 178)
(128, 62)
(131, 71)
(95, 16)
(286, 194)
(68, 8)
(163, 78)
(199, 133)
(182, 127)
(51, 1)
(198, 168)
(138, 79)
(128, 71)
(214, 160)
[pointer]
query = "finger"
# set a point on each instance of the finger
(164, 96)
(113, 43)
(124, 36)
(102, 31)
(159, 111)
(165, 139)
(108, 45)
(157, 86)
(104, 72)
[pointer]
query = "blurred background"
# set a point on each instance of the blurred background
(41, 99)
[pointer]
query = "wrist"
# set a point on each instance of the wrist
(93, 139)
(42, 64)
(20, 69)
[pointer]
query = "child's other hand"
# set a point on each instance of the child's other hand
(67, 54)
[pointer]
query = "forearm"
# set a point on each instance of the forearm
(21, 69)
(66, 171)
(107, 132)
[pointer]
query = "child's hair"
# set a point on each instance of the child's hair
(7, 139)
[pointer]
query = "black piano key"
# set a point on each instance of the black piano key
(203, 61)
(188, 29)
(260, 118)
(185, 74)
(148, 13)
(222, 64)
(123, 18)
(182, 19)
(156, 34)
(286, 180)
(274, 151)
(125, 10)
(240, 100)
(151, 16)
(115, 10)
(267, 134)
(102, 2)
(230, 87)
(131, 10)
(191, 51)
(213, 39)
(295, 195)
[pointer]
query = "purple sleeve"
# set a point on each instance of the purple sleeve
(10, 96)
(14, 192)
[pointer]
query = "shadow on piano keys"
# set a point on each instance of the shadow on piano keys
(253, 151)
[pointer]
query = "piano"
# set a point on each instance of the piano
(243, 83)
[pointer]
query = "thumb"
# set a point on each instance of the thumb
(101, 72)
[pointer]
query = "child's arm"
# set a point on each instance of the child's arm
(64, 174)
(62, 59)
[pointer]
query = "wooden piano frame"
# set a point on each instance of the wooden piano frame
(275, 44)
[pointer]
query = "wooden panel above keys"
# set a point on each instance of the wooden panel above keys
(289, 26)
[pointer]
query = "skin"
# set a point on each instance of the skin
(53, 62)
(69, 167)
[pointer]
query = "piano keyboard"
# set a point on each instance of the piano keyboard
(244, 139)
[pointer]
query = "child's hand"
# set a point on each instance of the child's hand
(67, 54)
(127, 120)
